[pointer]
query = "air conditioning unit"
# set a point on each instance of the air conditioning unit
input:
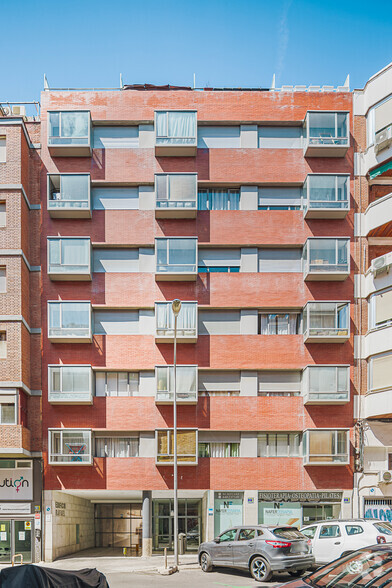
(19, 110)
(385, 477)
(7, 110)
(381, 264)
(383, 139)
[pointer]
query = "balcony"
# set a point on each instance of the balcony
(69, 195)
(186, 323)
(326, 259)
(378, 218)
(186, 376)
(326, 322)
(326, 134)
(187, 445)
(69, 258)
(326, 447)
(326, 384)
(70, 447)
(175, 133)
(377, 403)
(326, 196)
(15, 441)
(69, 322)
(70, 384)
(176, 195)
(69, 133)
(176, 259)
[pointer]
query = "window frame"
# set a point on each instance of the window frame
(60, 368)
(13, 399)
(64, 335)
(290, 444)
(306, 446)
(53, 268)
(60, 136)
(170, 451)
(170, 266)
(76, 461)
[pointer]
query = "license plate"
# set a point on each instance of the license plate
(298, 548)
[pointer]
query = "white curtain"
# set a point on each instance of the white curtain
(186, 318)
(116, 447)
(176, 127)
(219, 200)
(278, 324)
(74, 187)
(75, 252)
(76, 379)
(186, 379)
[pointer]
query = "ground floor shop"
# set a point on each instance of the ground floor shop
(142, 522)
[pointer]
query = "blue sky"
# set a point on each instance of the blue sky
(229, 43)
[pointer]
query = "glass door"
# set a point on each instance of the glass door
(5, 541)
(189, 523)
(22, 539)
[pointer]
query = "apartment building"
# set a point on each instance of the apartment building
(373, 293)
(20, 336)
(241, 204)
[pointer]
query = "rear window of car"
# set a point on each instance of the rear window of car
(385, 528)
(287, 533)
(354, 529)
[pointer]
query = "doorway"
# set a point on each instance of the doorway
(15, 538)
(189, 523)
(118, 526)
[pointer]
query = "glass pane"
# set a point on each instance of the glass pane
(75, 251)
(8, 414)
(74, 187)
(5, 542)
(54, 315)
(75, 314)
(322, 188)
(322, 124)
(182, 252)
(76, 379)
(55, 380)
(22, 539)
(54, 251)
(54, 124)
(74, 124)
(322, 251)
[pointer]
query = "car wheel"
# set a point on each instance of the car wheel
(205, 562)
(297, 573)
(260, 569)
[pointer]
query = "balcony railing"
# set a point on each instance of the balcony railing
(187, 446)
(186, 323)
(326, 322)
(326, 134)
(186, 376)
(326, 447)
(69, 258)
(70, 447)
(69, 322)
(70, 384)
(69, 133)
(326, 259)
(176, 258)
(326, 196)
(326, 384)
(69, 195)
(176, 195)
(175, 132)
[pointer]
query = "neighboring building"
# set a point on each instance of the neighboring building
(241, 204)
(20, 336)
(373, 291)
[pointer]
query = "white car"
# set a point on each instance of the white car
(333, 538)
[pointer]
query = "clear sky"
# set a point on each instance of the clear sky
(85, 43)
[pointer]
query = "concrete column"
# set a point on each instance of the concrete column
(249, 199)
(147, 523)
(251, 507)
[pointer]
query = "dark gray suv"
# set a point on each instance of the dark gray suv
(261, 549)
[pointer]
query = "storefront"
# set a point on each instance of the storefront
(228, 510)
(20, 510)
(298, 508)
(189, 522)
(378, 508)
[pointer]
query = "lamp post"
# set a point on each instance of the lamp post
(176, 307)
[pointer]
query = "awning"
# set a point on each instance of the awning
(380, 170)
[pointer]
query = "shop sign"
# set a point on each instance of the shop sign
(16, 484)
(60, 509)
(283, 516)
(15, 508)
(229, 495)
(300, 496)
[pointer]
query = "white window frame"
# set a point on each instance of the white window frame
(170, 452)
(372, 325)
(61, 303)
(10, 399)
(306, 392)
(170, 266)
(306, 454)
(76, 461)
(170, 393)
(130, 392)
(307, 187)
(59, 144)
(179, 203)
(167, 136)
(343, 141)
(69, 204)
(273, 436)
(84, 269)
(52, 367)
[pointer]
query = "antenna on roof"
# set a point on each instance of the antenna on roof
(347, 82)
(46, 85)
(121, 81)
(273, 83)
(194, 81)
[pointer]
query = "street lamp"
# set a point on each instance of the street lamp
(176, 307)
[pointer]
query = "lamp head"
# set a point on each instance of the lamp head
(176, 306)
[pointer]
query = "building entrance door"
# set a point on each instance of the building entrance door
(189, 523)
(15, 538)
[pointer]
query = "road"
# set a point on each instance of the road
(219, 578)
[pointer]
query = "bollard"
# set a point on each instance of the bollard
(165, 556)
(124, 551)
(17, 555)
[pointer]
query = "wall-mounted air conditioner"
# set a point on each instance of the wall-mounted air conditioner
(385, 477)
(383, 139)
(381, 264)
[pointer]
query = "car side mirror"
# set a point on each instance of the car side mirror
(217, 540)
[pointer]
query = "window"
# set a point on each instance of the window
(175, 127)
(326, 191)
(69, 446)
(116, 446)
(354, 529)
(186, 383)
(8, 413)
(3, 280)
(326, 319)
(378, 118)
(275, 383)
(310, 532)
(3, 217)
(219, 199)
(325, 447)
(186, 446)
(389, 461)
(327, 128)
(69, 128)
(279, 324)
(70, 383)
(280, 260)
(3, 152)
(219, 260)
(279, 445)
(176, 255)
(247, 534)
(69, 256)
(69, 320)
(175, 190)
(69, 191)
(3, 344)
(384, 528)
(280, 198)
(380, 370)
(186, 320)
(228, 536)
(275, 137)
(326, 255)
(326, 383)
(219, 450)
(328, 531)
(116, 383)
(219, 383)
(380, 314)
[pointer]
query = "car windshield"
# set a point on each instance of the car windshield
(385, 528)
(287, 533)
(366, 568)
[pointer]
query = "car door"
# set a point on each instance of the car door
(328, 543)
(223, 551)
(243, 546)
